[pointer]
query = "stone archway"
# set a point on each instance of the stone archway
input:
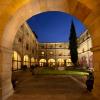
(14, 12)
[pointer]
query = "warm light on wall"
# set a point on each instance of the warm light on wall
(51, 52)
(42, 60)
(16, 56)
(60, 60)
(32, 60)
(16, 4)
(51, 60)
(26, 58)
(16, 61)
(42, 53)
(68, 60)
(26, 61)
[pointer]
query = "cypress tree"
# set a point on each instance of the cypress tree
(73, 44)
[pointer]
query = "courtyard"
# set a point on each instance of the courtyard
(50, 87)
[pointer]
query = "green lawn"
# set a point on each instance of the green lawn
(63, 72)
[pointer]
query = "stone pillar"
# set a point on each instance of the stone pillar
(93, 23)
(0, 84)
(96, 62)
(6, 88)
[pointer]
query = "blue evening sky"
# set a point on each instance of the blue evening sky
(54, 26)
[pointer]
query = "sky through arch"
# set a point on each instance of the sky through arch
(54, 26)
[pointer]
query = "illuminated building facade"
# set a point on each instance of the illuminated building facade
(25, 48)
(54, 54)
(58, 53)
(28, 51)
(85, 55)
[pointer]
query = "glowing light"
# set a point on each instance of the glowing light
(26, 58)
(42, 60)
(51, 60)
(32, 60)
(60, 60)
(16, 56)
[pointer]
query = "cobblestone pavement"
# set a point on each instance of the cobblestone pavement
(50, 87)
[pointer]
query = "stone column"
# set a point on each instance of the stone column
(96, 62)
(93, 23)
(6, 88)
(0, 84)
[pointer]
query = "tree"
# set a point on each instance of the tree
(73, 44)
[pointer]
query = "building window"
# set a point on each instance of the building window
(42, 46)
(83, 50)
(32, 61)
(33, 50)
(19, 40)
(33, 41)
(27, 33)
(27, 46)
(42, 53)
(60, 46)
(51, 52)
(60, 54)
(51, 46)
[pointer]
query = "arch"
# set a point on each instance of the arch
(51, 62)
(33, 8)
(26, 61)
(42, 62)
(14, 13)
(32, 61)
(16, 61)
(68, 62)
(60, 62)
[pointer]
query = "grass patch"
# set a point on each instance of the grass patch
(63, 72)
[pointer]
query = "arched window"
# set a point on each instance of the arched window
(16, 61)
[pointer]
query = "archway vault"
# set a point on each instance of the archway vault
(14, 12)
